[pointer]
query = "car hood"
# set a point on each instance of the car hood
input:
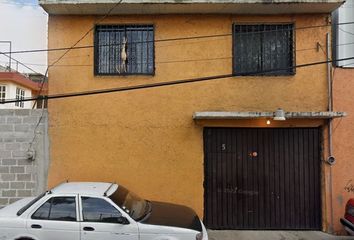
(12, 209)
(167, 214)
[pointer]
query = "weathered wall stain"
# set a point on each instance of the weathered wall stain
(349, 187)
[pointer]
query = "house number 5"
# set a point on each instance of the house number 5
(223, 147)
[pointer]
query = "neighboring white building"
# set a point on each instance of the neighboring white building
(14, 85)
(343, 37)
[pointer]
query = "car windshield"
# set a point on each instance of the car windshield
(28, 205)
(136, 207)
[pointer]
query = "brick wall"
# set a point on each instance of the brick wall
(19, 176)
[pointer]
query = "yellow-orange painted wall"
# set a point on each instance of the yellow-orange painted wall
(343, 143)
(146, 139)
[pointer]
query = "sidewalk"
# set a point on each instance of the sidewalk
(274, 235)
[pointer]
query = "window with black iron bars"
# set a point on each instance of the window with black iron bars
(259, 49)
(124, 50)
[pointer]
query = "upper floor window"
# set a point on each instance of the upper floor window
(57, 209)
(20, 95)
(124, 49)
(259, 49)
(2, 93)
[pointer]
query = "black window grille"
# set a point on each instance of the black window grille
(259, 49)
(124, 49)
(2, 93)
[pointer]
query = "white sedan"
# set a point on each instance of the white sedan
(87, 211)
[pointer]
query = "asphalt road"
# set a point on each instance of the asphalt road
(274, 235)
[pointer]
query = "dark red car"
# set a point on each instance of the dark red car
(348, 220)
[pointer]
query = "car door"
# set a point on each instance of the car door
(100, 219)
(56, 219)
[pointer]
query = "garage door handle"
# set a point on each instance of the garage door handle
(90, 229)
(36, 226)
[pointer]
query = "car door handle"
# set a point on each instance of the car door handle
(90, 229)
(36, 226)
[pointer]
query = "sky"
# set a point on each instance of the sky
(24, 23)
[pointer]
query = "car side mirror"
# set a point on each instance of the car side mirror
(122, 220)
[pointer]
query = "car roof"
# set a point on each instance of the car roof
(89, 188)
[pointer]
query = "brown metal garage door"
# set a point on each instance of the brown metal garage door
(262, 178)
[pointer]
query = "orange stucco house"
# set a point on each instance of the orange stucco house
(246, 149)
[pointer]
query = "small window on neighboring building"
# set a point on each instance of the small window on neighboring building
(57, 209)
(20, 95)
(124, 49)
(259, 49)
(2, 93)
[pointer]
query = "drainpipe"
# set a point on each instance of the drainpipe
(330, 159)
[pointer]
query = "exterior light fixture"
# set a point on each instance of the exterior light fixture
(268, 122)
(279, 115)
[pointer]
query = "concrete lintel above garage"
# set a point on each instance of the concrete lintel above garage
(126, 7)
(257, 115)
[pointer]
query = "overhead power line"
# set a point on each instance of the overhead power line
(56, 61)
(170, 83)
(171, 61)
(21, 63)
(27, 64)
(167, 39)
(90, 30)
(346, 31)
(74, 45)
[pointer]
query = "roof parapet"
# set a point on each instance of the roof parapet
(97, 7)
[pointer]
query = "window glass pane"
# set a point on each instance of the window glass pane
(43, 211)
(98, 210)
(259, 49)
(63, 209)
(124, 49)
(20, 94)
(2, 93)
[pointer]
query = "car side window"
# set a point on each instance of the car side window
(98, 210)
(57, 209)
(42, 213)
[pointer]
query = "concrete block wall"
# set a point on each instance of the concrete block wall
(19, 176)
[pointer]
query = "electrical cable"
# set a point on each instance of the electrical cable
(160, 62)
(170, 83)
(172, 61)
(55, 62)
(21, 63)
(169, 39)
(346, 31)
(77, 42)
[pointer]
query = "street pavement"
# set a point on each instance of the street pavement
(274, 235)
